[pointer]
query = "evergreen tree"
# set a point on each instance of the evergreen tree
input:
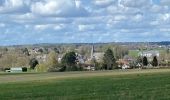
(33, 63)
(145, 61)
(69, 61)
(155, 61)
(109, 59)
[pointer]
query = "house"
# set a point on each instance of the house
(60, 56)
(36, 50)
(89, 67)
(98, 56)
(14, 70)
(123, 64)
(80, 58)
(128, 58)
(139, 65)
(149, 54)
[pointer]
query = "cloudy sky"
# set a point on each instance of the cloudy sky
(79, 21)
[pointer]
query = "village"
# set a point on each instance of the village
(88, 57)
(84, 49)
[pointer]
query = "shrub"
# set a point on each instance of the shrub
(6, 69)
(41, 68)
(57, 68)
(24, 69)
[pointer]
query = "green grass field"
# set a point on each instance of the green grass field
(133, 53)
(150, 84)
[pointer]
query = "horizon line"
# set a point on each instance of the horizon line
(24, 44)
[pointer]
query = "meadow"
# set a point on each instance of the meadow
(149, 84)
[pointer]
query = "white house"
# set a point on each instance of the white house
(125, 66)
(149, 53)
(89, 68)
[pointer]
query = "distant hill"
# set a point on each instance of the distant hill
(164, 43)
(78, 44)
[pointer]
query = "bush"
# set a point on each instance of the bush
(71, 68)
(54, 69)
(62, 68)
(24, 69)
(41, 68)
(57, 68)
(6, 69)
(80, 67)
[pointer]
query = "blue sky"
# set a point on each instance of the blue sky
(79, 21)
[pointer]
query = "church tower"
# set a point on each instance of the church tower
(92, 52)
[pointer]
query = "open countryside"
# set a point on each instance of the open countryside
(84, 49)
(108, 85)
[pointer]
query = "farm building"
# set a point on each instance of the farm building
(17, 69)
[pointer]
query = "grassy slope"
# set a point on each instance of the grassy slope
(145, 86)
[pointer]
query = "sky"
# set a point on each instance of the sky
(83, 21)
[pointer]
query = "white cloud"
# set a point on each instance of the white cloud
(86, 27)
(120, 17)
(156, 8)
(42, 27)
(164, 17)
(61, 8)
(137, 18)
(122, 10)
(59, 27)
(11, 6)
(165, 2)
(78, 3)
(135, 3)
(83, 19)
(103, 3)
(26, 16)
(2, 25)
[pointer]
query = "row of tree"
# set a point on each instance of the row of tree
(144, 61)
